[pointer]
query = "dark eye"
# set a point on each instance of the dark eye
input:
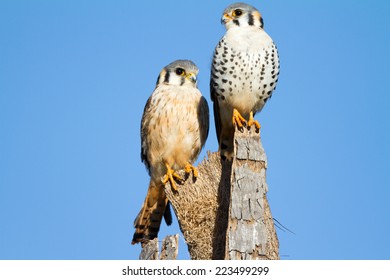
(180, 71)
(237, 13)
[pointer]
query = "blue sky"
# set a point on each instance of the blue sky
(75, 76)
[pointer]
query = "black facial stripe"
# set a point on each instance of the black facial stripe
(236, 22)
(261, 22)
(166, 78)
(158, 79)
(250, 19)
(182, 80)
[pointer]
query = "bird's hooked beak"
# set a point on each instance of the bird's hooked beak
(192, 77)
(226, 18)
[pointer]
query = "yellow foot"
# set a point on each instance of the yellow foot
(188, 168)
(238, 119)
(169, 177)
(252, 121)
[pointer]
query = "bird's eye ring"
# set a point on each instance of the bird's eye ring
(180, 71)
(237, 13)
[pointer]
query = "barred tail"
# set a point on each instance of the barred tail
(147, 223)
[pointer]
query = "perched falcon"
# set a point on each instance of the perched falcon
(174, 128)
(244, 73)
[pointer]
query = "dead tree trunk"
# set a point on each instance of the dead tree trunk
(224, 213)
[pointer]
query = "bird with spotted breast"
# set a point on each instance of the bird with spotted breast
(244, 73)
(174, 129)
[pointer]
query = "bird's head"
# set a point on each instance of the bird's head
(179, 72)
(241, 14)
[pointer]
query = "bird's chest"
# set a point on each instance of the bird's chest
(175, 113)
(173, 127)
(240, 78)
(244, 74)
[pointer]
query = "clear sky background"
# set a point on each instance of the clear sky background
(74, 79)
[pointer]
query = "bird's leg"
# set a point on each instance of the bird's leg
(252, 121)
(238, 119)
(189, 167)
(169, 177)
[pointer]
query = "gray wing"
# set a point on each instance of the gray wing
(204, 119)
(144, 137)
(214, 99)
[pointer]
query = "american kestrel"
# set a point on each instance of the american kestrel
(174, 129)
(244, 73)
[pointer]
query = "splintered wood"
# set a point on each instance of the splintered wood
(169, 249)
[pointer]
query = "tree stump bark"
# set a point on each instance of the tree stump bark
(224, 213)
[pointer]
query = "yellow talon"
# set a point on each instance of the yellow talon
(188, 168)
(169, 177)
(238, 119)
(252, 121)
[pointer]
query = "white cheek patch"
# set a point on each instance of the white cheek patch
(174, 79)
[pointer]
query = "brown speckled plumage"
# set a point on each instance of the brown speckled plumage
(174, 129)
